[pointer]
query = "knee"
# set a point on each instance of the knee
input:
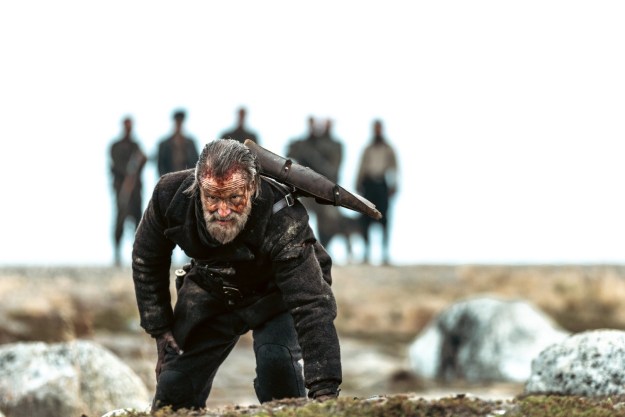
(278, 373)
(174, 389)
(272, 355)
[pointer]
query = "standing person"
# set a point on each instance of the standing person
(255, 266)
(298, 149)
(240, 132)
(178, 151)
(319, 151)
(127, 163)
(324, 154)
(377, 182)
(332, 151)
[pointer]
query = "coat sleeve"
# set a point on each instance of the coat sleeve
(151, 261)
(302, 271)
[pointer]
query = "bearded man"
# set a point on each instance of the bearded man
(256, 266)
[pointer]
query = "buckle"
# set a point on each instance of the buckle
(287, 201)
(232, 295)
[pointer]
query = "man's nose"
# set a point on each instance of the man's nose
(223, 209)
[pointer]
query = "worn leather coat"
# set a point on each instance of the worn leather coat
(274, 248)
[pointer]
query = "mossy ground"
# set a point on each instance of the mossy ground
(406, 405)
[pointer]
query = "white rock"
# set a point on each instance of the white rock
(590, 363)
(66, 379)
(483, 339)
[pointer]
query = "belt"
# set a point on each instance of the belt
(211, 279)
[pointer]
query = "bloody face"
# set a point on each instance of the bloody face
(226, 202)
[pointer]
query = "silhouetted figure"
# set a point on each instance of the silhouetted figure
(324, 154)
(319, 151)
(240, 132)
(298, 149)
(332, 150)
(377, 182)
(178, 151)
(127, 163)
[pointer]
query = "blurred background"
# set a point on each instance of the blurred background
(507, 117)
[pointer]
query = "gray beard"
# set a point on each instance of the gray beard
(226, 234)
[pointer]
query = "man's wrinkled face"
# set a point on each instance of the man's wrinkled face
(227, 203)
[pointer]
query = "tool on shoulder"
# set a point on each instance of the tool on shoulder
(309, 183)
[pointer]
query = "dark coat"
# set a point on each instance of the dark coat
(275, 248)
(127, 163)
(123, 152)
(165, 155)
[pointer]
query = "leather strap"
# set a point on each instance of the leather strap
(287, 201)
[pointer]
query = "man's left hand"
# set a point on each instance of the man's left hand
(165, 341)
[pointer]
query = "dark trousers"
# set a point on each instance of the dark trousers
(130, 208)
(207, 335)
(377, 192)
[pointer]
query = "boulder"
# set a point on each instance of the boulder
(34, 317)
(590, 363)
(56, 305)
(483, 339)
(66, 379)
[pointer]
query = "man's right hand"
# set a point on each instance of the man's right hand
(165, 341)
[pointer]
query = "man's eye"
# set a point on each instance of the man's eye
(236, 199)
(211, 199)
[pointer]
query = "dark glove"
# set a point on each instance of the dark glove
(165, 341)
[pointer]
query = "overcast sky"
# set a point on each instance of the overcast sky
(508, 117)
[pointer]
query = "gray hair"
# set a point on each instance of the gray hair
(219, 157)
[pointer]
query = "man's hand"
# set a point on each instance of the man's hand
(165, 341)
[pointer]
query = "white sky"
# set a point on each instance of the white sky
(508, 116)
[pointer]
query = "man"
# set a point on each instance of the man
(377, 182)
(321, 152)
(324, 154)
(127, 163)
(240, 132)
(256, 266)
(332, 151)
(178, 151)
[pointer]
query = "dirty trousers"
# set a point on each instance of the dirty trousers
(207, 332)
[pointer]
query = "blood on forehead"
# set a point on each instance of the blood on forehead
(231, 181)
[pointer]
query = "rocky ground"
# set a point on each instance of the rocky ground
(381, 310)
